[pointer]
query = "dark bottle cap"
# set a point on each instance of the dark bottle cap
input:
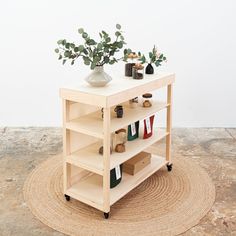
(147, 95)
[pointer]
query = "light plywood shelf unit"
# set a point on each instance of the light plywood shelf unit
(86, 174)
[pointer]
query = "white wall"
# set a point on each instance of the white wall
(198, 37)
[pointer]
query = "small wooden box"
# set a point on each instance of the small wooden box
(137, 163)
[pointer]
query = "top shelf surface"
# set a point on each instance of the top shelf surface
(120, 89)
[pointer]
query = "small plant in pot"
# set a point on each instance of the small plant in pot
(93, 53)
(154, 58)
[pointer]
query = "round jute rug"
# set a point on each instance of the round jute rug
(167, 203)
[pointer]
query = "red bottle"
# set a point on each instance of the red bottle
(148, 127)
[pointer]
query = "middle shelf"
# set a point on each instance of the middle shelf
(92, 123)
(88, 158)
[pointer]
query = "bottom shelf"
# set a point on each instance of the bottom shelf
(90, 190)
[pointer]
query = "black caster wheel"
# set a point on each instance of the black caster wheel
(169, 167)
(106, 215)
(67, 198)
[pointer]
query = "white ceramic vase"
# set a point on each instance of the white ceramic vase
(98, 78)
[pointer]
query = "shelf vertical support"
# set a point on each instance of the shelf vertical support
(66, 146)
(169, 122)
(106, 159)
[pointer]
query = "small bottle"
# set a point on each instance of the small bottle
(138, 71)
(147, 100)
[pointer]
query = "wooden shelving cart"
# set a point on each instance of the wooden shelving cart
(86, 173)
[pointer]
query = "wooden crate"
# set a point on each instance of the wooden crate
(137, 163)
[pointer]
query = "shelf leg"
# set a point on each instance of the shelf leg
(169, 123)
(66, 147)
(106, 159)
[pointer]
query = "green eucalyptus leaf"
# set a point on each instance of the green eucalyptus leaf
(120, 45)
(85, 52)
(63, 42)
(150, 55)
(67, 45)
(81, 30)
(104, 33)
(129, 51)
(106, 59)
(91, 42)
(56, 50)
(59, 41)
(84, 35)
(122, 38)
(66, 53)
(60, 57)
(72, 62)
(118, 26)
(81, 48)
(117, 33)
(93, 65)
(100, 35)
(76, 49)
(87, 63)
(157, 63)
(64, 61)
(99, 46)
(108, 39)
(72, 45)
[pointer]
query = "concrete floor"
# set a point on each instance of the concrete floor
(22, 149)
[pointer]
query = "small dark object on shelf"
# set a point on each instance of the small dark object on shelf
(67, 198)
(101, 150)
(128, 69)
(106, 215)
(169, 167)
(149, 69)
(119, 111)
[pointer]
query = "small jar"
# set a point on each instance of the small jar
(138, 71)
(133, 103)
(147, 100)
(132, 58)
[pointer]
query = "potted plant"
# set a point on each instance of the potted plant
(93, 53)
(154, 58)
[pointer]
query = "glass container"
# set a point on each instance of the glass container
(138, 71)
(147, 100)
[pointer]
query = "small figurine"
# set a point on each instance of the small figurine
(133, 103)
(120, 140)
